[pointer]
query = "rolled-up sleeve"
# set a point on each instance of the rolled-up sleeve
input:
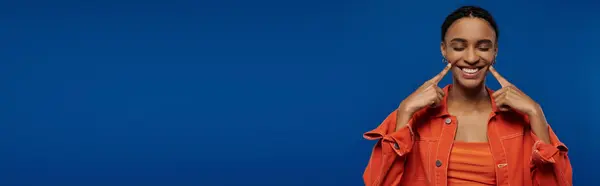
(550, 162)
(400, 141)
(543, 152)
(391, 148)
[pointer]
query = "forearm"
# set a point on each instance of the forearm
(402, 117)
(539, 125)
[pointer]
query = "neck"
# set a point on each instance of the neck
(469, 98)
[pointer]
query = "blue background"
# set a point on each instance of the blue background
(263, 92)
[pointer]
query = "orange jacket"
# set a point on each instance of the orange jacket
(417, 154)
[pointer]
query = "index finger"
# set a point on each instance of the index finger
(503, 82)
(441, 75)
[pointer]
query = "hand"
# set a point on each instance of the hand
(427, 94)
(510, 97)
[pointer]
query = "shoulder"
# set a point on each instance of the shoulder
(511, 123)
(512, 117)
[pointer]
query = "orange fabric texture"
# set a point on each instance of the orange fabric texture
(471, 164)
(418, 154)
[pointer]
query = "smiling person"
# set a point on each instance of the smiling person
(465, 133)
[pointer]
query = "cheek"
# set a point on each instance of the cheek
(452, 57)
(456, 71)
(488, 57)
(453, 54)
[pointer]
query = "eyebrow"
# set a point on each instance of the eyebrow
(483, 41)
(458, 40)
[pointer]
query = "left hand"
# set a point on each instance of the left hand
(510, 97)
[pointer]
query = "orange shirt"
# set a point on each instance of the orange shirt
(471, 164)
(418, 154)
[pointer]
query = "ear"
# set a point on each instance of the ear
(495, 55)
(496, 50)
(443, 49)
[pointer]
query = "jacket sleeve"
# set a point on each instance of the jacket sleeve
(391, 149)
(550, 162)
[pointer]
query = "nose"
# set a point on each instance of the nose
(472, 57)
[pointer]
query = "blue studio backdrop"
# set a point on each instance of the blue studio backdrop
(264, 92)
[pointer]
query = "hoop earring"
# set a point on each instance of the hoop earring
(444, 60)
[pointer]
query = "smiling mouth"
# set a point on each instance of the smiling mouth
(470, 70)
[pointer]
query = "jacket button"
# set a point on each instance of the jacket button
(438, 163)
(448, 121)
(396, 146)
(502, 165)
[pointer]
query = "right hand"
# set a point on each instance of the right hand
(428, 94)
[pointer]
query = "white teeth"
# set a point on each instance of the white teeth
(470, 70)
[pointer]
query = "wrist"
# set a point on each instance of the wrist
(402, 117)
(536, 111)
(405, 111)
(537, 118)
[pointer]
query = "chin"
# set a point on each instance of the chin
(469, 83)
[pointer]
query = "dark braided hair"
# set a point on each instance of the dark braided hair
(469, 11)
